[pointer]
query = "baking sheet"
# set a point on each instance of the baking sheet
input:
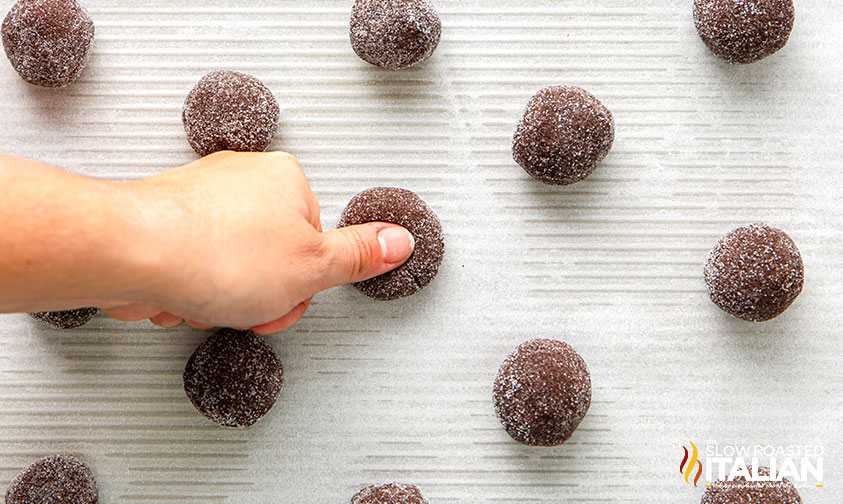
(376, 392)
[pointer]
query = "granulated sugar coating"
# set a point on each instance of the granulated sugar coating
(405, 208)
(754, 272)
(542, 392)
(59, 479)
(564, 134)
(744, 31)
(741, 491)
(392, 493)
(233, 378)
(48, 41)
(230, 111)
(67, 319)
(394, 34)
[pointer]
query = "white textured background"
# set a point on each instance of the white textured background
(376, 392)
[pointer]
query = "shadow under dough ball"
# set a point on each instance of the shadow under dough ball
(48, 41)
(744, 31)
(754, 272)
(394, 34)
(67, 319)
(542, 392)
(392, 493)
(405, 208)
(233, 378)
(741, 491)
(564, 134)
(230, 111)
(59, 479)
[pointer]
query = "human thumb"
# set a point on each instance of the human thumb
(356, 253)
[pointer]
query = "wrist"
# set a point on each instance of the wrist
(72, 241)
(153, 224)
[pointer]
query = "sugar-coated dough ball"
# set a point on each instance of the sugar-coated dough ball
(48, 41)
(542, 392)
(405, 208)
(564, 134)
(233, 378)
(392, 493)
(66, 319)
(754, 272)
(394, 34)
(59, 479)
(230, 111)
(741, 491)
(744, 31)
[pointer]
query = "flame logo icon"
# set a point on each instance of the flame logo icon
(687, 466)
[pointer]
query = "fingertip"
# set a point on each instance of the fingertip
(269, 328)
(397, 244)
(166, 320)
(285, 322)
(132, 313)
(362, 251)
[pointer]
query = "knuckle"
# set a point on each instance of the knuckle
(219, 155)
(284, 157)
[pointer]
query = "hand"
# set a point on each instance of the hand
(237, 242)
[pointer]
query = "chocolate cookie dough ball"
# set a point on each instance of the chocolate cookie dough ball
(564, 134)
(230, 111)
(233, 378)
(405, 208)
(394, 34)
(48, 41)
(741, 491)
(67, 319)
(754, 272)
(392, 493)
(542, 392)
(744, 31)
(60, 479)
